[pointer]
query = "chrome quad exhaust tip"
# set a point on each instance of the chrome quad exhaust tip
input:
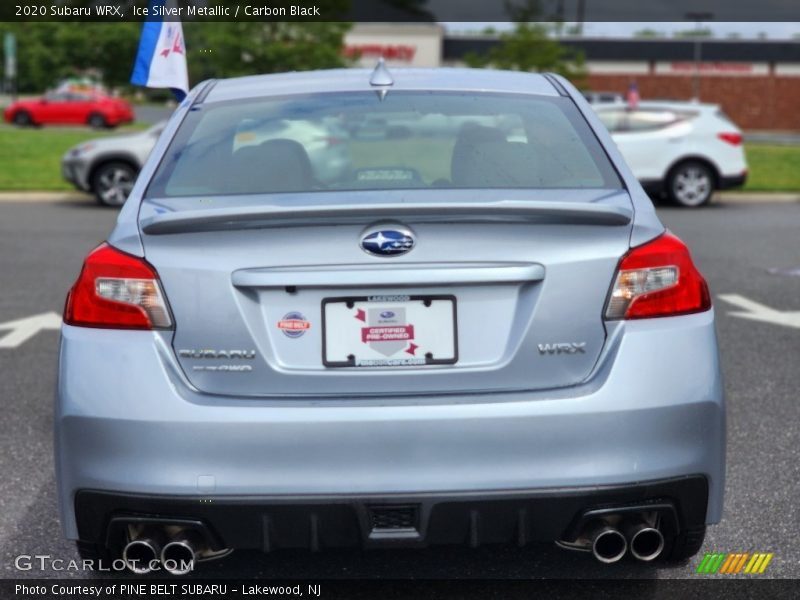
(178, 557)
(609, 532)
(608, 544)
(141, 554)
(646, 541)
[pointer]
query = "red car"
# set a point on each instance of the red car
(70, 108)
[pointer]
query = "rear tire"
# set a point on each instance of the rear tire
(112, 182)
(23, 119)
(686, 544)
(690, 184)
(97, 121)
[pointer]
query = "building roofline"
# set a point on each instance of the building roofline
(659, 49)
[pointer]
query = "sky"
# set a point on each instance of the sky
(606, 29)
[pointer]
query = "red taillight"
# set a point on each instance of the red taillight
(658, 279)
(116, 290)
(734, 139)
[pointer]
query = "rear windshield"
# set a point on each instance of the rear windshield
(356, 141)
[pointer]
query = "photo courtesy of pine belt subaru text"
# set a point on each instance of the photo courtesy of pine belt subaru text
(379, 309)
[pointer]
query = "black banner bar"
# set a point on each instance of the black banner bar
(111, 11)
(704, 587)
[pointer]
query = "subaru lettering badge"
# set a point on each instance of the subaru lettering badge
(387, 242)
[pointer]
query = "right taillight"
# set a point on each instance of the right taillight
(657, 279)
(732, 138)
(117, 290)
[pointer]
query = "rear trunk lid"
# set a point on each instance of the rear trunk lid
(501, 291)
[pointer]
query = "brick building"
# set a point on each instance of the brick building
(757, 82)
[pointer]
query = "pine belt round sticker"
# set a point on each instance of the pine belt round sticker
(294, 324)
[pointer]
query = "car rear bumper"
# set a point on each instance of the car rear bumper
(128, 424)
(378, 521)
(731, 181)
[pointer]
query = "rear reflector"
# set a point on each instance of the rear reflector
(657, 279)
(117, 290)
(734, 139)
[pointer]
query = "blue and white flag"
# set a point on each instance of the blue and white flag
(161, 61)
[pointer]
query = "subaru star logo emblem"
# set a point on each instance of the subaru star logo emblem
(387, 242)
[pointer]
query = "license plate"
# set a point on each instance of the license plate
(389, 331)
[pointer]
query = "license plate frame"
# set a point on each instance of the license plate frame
(404, 300)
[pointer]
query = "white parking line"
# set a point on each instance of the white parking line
(24, 197)
(759, 312)
(24, 329)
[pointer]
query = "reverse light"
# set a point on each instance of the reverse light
(118, 291)
(657, 279)
(734, 139)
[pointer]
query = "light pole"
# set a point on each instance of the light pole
(698, 18)
(581, 14)
(10, 53)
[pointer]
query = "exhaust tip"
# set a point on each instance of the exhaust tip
(139, 556)
(609, 545)
(647, 544)
(178, 557)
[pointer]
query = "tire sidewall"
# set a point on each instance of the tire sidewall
(97, 121)
(22, 118)
(98, 172)
(672, 182)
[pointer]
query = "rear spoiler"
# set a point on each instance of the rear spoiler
(259, 217)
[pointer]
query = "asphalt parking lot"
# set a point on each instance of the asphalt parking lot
(749, 252)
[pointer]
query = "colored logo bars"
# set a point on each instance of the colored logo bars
(734, 563)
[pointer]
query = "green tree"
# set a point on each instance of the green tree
(529, 48)
(50, 51)
(648, 33)
(702, 32)
(251, 47)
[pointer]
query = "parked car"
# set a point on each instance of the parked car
(70, 108)
(603, 97)
(685, 150)
(108, 167)
(468, 338)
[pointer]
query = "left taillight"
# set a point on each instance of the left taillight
(116, 290)
(657, 279)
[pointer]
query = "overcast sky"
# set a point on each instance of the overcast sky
(721, 30)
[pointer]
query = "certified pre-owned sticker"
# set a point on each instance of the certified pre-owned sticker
(294, 324)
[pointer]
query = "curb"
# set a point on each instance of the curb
(755, 197)
(44, 197)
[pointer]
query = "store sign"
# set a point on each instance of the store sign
(398, 52)
(712, 68)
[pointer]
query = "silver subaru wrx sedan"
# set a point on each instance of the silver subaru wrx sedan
(474, 330)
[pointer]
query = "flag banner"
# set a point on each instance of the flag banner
(161, 61)
(633, 95)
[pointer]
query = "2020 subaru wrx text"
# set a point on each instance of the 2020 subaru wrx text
(473, 330)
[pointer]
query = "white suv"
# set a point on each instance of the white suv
(683, 149)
